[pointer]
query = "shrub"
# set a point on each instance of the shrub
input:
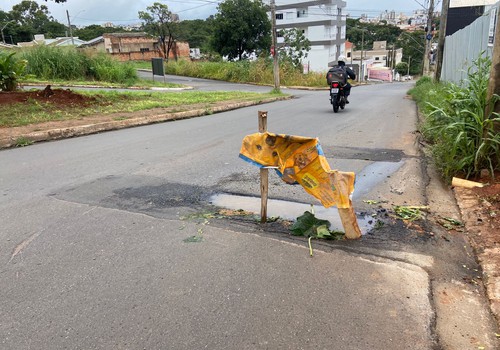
(463, 138)
(11, 70)
(402, 68)
(259, 71)
(64, 63)
(68, 63)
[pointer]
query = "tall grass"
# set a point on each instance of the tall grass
(259, 71)
(68, 63)
(463, 137)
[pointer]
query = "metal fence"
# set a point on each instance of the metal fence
(463, 47)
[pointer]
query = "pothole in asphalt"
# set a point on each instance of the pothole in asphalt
(369, 154)
(289, 210)
(372, 175)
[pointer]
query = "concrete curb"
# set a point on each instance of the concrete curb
(87, 129)
(488, 255)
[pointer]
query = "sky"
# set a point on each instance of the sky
(120, 12)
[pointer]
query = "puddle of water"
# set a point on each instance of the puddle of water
(288, 210)
(373, 174)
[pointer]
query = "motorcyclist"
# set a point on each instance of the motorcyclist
(350, 73)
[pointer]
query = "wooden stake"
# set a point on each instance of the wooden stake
(457, 182)
(264, 173)
(349, 222)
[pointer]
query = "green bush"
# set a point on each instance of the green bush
(11, 70)
(64, 63)
(423, 80)
(259, 71)
(463, 138)
(402, 68)
(69, 63)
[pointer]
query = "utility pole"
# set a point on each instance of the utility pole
(361, 71)
(409, 60)
(3, 37)
(274, 49)
(494, 82)
(442, 36)
(70, 29)
(428, 37)
(393, 57)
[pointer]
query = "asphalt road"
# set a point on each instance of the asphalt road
(106, 242)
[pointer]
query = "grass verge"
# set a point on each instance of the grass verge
(140, 84)
(107, 102)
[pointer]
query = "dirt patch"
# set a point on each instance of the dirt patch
(56, 97)
(480, 208)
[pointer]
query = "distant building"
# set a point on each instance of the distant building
(133, 46)
(323, 23)
(40, 39)
(377, 60)
(130, 27)
(463, 12)
(194, 53)
(125, 46)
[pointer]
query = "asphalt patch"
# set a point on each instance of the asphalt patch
(140, 194)
(369, 154)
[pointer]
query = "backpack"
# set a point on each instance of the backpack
(336, 73)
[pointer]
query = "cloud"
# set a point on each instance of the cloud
(118, 12)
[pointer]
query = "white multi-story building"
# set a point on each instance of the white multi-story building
(322, 21)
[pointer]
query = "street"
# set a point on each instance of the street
(106, 241)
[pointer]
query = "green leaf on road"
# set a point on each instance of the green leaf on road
(410, 213)
(193, 239)
(310, 226)
(307, 225)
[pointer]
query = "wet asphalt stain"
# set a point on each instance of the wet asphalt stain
(369, 154)
(147, 195)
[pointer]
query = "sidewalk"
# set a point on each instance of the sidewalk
(480, 216)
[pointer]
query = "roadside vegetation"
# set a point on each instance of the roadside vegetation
(462, 137)
(69, 63)
(68, 66)
(106, 102)
(258, 72)
(11, 70)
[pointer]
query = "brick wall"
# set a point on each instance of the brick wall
(136, 56)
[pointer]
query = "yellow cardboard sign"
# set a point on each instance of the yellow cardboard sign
(300, 160)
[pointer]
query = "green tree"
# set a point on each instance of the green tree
(95, 30)
(196, 32)
(29, 19)
(30, 14)
(160, 22)
(402, 68)
(4, 17)
(295, 46)
(412, 44)
(239, 33)
(54, 29)
(372, 32)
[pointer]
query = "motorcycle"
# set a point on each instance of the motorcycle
(337, 96)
